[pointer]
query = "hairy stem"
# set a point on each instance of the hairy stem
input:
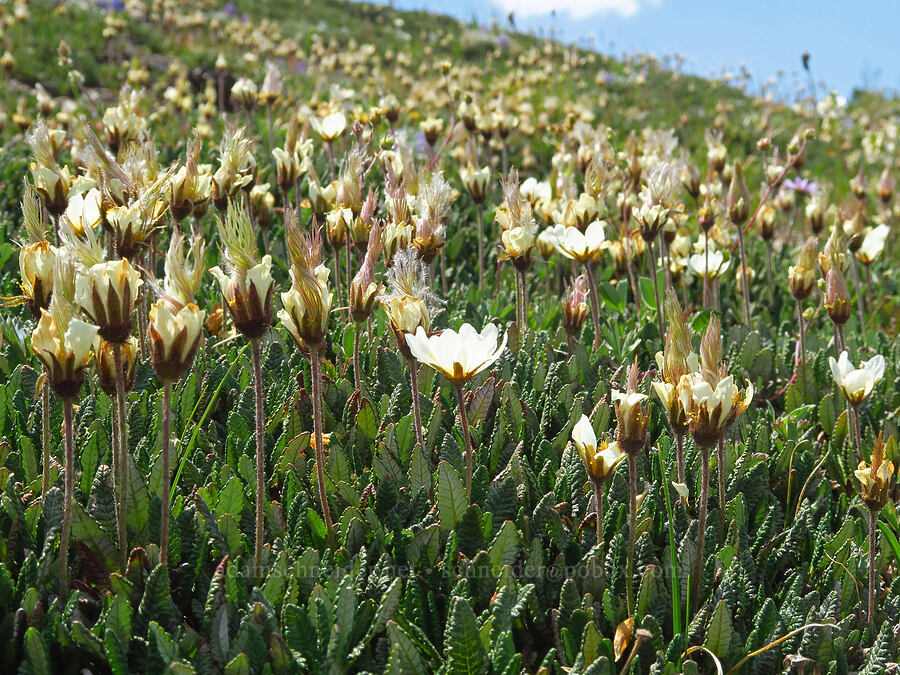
(316, 368)
(122, 482)
(166, 471)
(356, 376)
(857, 428)
(679, 456)
(480, 212)
(598, 499)
(260, 457)
(659, 316)
(417, 412)
(745, 277)
(632, 520)
(720, 460)
(701, 534)
(69, 499)
(873, 516)
(594, 300)
(45, 435)
(470, 452)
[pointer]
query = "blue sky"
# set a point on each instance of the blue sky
(852, 44)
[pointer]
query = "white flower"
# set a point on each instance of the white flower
(599, 462)
(534, 190)
(78, 339)
(717, 264)
(83, 211)
(518, 241)
(583, 247)
(458, 356)
(681, 489)
(329, 127)
(628, 401)
(176, 328)
(872, 244)
(857, 383)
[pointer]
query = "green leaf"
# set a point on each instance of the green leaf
(276, 582)
(419, 471)
(478, 406)
(366, 421)
(239, 665)
(451, 496)
(463, 650)
(86, 530)
(231, 499)
(118, 619)
(137, 497)
(891, 539)
(404, 656)
(36, 653)
(719, 631)
(504, 548)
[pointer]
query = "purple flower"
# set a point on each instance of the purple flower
(502, 40)
(421, 144)
(801, 184)
(230, 9)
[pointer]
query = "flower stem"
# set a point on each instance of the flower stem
(720, 460)
(706, 271)
(679, 456)
(470, 452)
(873, 516)
(802, 334)
(860, 302)
(316, 368)
(480, 211)
(417, 412)
(659, 316)
(69, 498)
(260, 456)
(164, 525)
(523, 300)
(632, 519)
(122, 491)
(45, 435)
(347, 272)
(857, 430)
(595, 301)
(356, 376)
(745, 276)
(701, 534)
(598, 499)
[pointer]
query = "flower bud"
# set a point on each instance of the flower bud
(62, 344)
(802, 276)
(105, 362)
(886, 186)
(738, 200)
(837, 297)
(363, 289)
(632, 414)
(175, 333)
(36, 263)
(600, 457)
(767, 223)
(107, 292)
(876, 480)
(575, 307)
(476, 182)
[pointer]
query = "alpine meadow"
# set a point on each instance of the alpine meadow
(343, 339)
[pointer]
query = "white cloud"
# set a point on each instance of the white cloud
(577, 9)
